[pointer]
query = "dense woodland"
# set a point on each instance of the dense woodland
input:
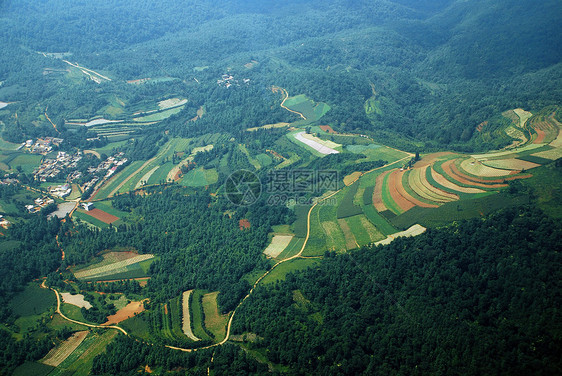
(431, 70)
(479, 297)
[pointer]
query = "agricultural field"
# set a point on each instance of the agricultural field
(214, 321)
(124, 313)
(33, 300)
(415, 230)
(277, 245)
(79, 362)
(311, 110)
(186, 317)
(200, 177)
(75, 300)
(320, 147)
(33, 368)
(57, 355)
(116, 265)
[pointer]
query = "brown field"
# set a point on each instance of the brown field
(446, 183)
(130, 310)
(394, 183)
(102, 216)
(406, 195)
(377, 193)
(57, 355)
(475, 167)
(327, 128)
(511, 164)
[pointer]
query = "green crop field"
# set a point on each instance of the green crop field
(346, 207)
(84, 216)
(107, 207)
(33, 368)
(137, 326)
(161, 175)
(457, 210)
(378, 221)
(6, 245)
(363, 230)
(81, 360)
(114, 182)
(196, 317)
(195, 178)
(158, 116)
(32, 301)
(107, 149)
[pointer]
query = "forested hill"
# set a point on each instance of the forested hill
(433, 70)
(477, 298)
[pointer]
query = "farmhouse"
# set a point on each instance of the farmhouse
(88, 206)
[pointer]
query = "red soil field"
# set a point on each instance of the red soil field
(125, 313)
(395, 181)
(102, 216)
(327, 128)
(377, 193)
(244, 224)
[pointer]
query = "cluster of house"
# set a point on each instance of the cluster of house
(39, 204)
(110, 165)
(42, 145)
(50, 168)
(4, 222)
(60, 190)
(228, 80)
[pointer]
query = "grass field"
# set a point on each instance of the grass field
(311, 110)
(27, 162)
(279, 273)
(200, 177)
(161, 174)
(32, 301)
(214, 321)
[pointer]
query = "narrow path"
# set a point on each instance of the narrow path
(286, 96)
(50, 121)
(79, 322)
